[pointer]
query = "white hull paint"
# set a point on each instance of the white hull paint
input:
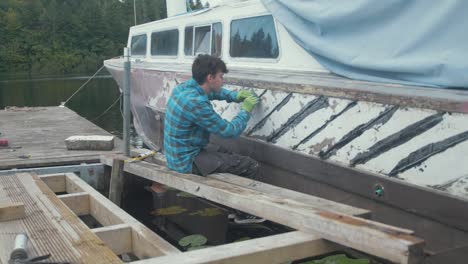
(320, 130)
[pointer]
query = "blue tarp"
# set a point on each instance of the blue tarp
(416, 42)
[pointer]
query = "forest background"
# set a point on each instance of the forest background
(42, 37)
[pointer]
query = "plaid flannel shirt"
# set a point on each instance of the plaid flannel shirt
(189, 120)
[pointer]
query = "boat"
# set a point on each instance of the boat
(399, 149)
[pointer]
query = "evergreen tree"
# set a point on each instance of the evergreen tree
(67, 36)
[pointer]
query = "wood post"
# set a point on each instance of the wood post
(117, 181)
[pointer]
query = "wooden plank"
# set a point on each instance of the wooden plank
(77, 202)
(381, 240)
(403, 95)
(117, 237)
(269, 189)
(273, 249)
(319, 203)
(56, 182)
(51, 226)
(48, 161)
(11, 211)
(107, 213)
(117, 182)
(408, 197)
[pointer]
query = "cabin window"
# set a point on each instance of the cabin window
(165, 43)
(188, 42)
(203, 40)
(138, 45)
(217, 39)
(254, 37)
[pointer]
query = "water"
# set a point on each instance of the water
(89, 103)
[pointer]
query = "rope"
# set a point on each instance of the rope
(107, 110)
(79, 89)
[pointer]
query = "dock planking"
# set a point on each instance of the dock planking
(37, 137)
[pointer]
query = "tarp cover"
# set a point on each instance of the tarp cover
(398, 41)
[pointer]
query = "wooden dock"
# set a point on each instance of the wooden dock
(53, 204)
(37, 137)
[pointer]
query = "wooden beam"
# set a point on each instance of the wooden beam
(77, 202)
(56, 182)
(107, 213)
(117, 237)
(273, 249)
(117, 182)
(374, 238)
(11, 211)
(321, 203)
(48, 161)
(318, 202)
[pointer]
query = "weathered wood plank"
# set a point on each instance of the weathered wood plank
(273, 249)
(117, 182)
(388, 242)
(51, 226)
(77, 202)
(269, 189)
(56, 182)
(318, 202)
(117, 237)
(11, 211)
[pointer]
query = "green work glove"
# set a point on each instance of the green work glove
(250, 102)
(243, 94)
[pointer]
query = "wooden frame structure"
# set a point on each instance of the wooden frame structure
(314, 218)
(120, 232)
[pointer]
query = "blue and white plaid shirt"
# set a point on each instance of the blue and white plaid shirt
(189, 120)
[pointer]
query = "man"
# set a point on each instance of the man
(190, 119)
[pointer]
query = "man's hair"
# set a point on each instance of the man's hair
(205, 65)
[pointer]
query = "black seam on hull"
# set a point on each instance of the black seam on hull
(381, 119)
(311, 107)
(398, 138)
(422, 154)
(263, 93)
(260, 124)
(311, 135)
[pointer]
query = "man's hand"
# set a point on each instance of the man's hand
(244, 94)
(250, 102)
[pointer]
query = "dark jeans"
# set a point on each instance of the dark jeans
(216, 159)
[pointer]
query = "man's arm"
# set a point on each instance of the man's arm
(204, 116)
(224, 94)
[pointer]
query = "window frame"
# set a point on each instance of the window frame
(165, 56)
(146, 48)
(194, 25)
(248, 59)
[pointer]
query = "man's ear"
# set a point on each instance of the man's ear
(209, 77)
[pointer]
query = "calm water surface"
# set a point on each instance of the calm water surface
(90, 102)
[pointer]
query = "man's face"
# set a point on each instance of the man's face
(215, 82)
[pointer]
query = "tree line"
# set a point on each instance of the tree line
(67, 36)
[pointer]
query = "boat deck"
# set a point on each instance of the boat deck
(37, 137)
